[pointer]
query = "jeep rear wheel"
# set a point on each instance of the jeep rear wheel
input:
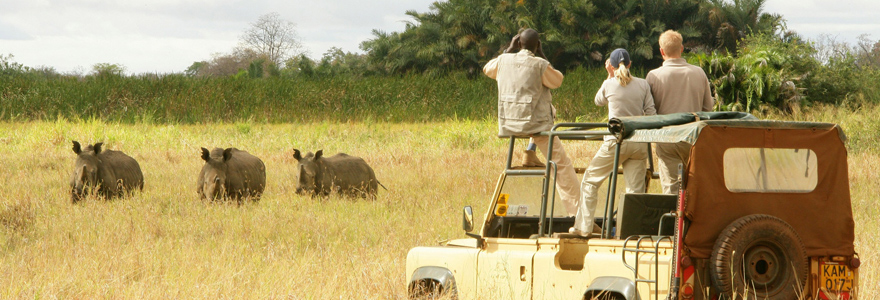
(759, 256)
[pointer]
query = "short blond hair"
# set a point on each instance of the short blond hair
(670, 42)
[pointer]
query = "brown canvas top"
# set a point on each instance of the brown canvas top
(822, 216)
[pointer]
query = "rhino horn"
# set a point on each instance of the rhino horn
(83, 176)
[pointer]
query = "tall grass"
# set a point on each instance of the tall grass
(188, 100)
(165, 243)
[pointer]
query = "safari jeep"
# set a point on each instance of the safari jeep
(763, 213)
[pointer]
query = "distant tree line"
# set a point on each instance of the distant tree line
(464, 34)
(753, 61)
(787, 73)
(461, 35)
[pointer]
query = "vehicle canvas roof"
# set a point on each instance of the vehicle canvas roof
(685, 127)
(821, 216)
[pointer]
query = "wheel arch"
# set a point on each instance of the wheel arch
(623, 287)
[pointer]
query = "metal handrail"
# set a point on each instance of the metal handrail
(639, 250)
(553, 200)
(563, 131)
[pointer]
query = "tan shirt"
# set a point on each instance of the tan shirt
(631, 100)
(524, 100)
(634, 99)
(678, 86)
(552, 78)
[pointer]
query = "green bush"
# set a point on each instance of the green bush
(770, 71)
(766, 72)
(838, 82)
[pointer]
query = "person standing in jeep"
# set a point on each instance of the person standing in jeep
(525, 79)
(625, 96)
(677, 87)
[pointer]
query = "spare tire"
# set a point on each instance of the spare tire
(759, 257)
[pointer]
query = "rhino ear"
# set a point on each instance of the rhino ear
(297, 154)
(76, 147)
(227, 154)
(319, 154)
(97, 148)
(206, 155)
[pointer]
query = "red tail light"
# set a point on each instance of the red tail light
(686, 262)
(855, 263)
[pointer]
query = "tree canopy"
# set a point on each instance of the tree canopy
(464, 34)
(264, 47)
(273, 37)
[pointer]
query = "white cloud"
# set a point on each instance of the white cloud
(169, 35)
(845, 20)
(139, 54)
(11, 32)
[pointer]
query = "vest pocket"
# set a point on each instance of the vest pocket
(513, 107)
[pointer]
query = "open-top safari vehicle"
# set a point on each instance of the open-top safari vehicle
(764, 213)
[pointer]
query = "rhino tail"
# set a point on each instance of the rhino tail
(380, 184)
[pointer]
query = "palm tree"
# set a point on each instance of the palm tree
(727, 23)
(464, 34)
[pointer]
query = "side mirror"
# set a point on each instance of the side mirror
(467, 220)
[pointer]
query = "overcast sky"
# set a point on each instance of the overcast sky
(163, 36)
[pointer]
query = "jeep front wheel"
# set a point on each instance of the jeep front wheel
(759, 256)
(432, 290)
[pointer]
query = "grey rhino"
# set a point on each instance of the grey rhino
(107, 173)
(231, 173)
(348, 175)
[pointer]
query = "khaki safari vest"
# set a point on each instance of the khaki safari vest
(524, 103)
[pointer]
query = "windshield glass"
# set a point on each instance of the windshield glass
(524, 197)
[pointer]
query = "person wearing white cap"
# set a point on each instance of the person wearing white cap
(625, 96)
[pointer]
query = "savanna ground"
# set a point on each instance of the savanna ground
(166, 243)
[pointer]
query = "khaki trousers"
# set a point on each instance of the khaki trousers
(669, 156)
(566, 178)
(633, 157)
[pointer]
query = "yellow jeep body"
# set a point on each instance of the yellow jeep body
(764, 213)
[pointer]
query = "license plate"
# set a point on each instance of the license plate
(835, 277)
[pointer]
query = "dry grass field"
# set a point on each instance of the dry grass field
(166, 243)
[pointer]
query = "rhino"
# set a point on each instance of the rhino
(231, 173)
(106, 173)
(342, 173)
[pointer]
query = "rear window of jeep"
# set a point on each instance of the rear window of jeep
(770, 170)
